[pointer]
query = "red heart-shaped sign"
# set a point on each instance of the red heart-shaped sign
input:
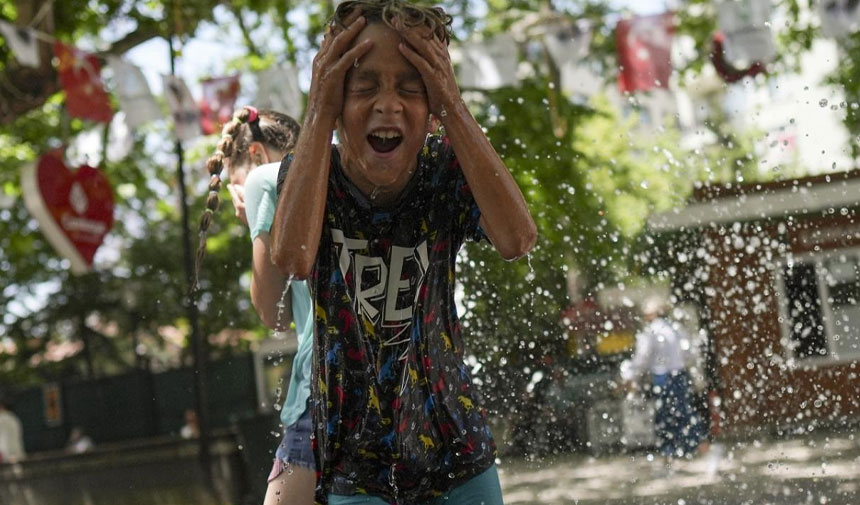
(74, 209)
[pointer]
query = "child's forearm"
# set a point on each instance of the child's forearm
(505, 217)
(267, 283)
(299, 215)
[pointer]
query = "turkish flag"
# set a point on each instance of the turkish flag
(644, 52)
(80, 76)
(219, 98)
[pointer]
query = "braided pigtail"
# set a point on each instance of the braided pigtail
(233, 143)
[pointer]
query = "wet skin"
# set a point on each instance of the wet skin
(385, 117)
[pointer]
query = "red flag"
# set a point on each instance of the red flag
(644, 52)
(219, 98)
(80, 77)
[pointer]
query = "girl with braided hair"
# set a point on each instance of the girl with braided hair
(375, 223)
(251, 147)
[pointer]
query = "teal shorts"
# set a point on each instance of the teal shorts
(483, 489)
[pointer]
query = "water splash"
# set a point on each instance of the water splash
(282, 305)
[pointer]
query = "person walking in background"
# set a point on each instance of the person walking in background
(663, 352)
(79, 442)
(250, 149)
(191, 428)
(11, 434)
(375, 224)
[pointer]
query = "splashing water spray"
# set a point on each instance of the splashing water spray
(281, 327)
(282, 305)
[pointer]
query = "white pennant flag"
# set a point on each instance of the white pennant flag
(133, 93)
(567, 46)
(491, 64)
(278, 89)
(23, 43)
(839, 18)
(746, 25)
(186, 114)
(120, 139)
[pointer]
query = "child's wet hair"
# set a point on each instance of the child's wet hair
(272, 129)
(387, 11)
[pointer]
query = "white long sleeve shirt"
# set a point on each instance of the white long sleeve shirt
(11, 438)
(661, 347)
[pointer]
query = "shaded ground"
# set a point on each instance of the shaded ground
(821, 470)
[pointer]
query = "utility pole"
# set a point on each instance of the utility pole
(198, 344)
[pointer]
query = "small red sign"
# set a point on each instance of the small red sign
(53, 405)
(80, 75)
(219, 98)
(73, 208)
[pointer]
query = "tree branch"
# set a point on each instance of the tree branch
(25, 89)
(246, 34)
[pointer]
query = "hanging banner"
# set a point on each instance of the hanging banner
(23, 43)
(74, 209)
(219, 99)
(487, 65)
(120, 139)
(133, 93)
(183, 108)
(80, 77)
(568, 46)
(839, 18)
(745, 25)
(278, 89)
(644, 47)
(726, 70)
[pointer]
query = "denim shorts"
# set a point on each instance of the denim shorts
(295, 448)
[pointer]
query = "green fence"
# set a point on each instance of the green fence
(137, 404)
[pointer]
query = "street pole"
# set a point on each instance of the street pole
(198, 344)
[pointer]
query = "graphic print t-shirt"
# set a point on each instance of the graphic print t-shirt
(394, 409)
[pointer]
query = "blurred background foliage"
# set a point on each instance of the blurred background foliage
(590, 177)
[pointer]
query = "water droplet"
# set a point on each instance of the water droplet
(822, 102)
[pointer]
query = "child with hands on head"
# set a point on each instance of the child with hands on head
(250, 149)
(374, 224)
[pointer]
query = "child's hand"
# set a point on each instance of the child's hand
(331, 64)
(237, 195)
(430, 56)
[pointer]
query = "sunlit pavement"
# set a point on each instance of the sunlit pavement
(820, 470)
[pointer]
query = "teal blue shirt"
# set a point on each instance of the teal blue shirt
(260, 202)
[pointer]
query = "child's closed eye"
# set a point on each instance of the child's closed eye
(362, 88)
(412, 90)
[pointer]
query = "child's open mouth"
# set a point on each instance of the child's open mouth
(384, 141)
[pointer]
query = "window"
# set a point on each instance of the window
(843, 286)
(822, 306)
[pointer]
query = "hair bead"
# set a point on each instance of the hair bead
(253, 114)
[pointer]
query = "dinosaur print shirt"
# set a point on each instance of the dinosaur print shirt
(394, 410)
